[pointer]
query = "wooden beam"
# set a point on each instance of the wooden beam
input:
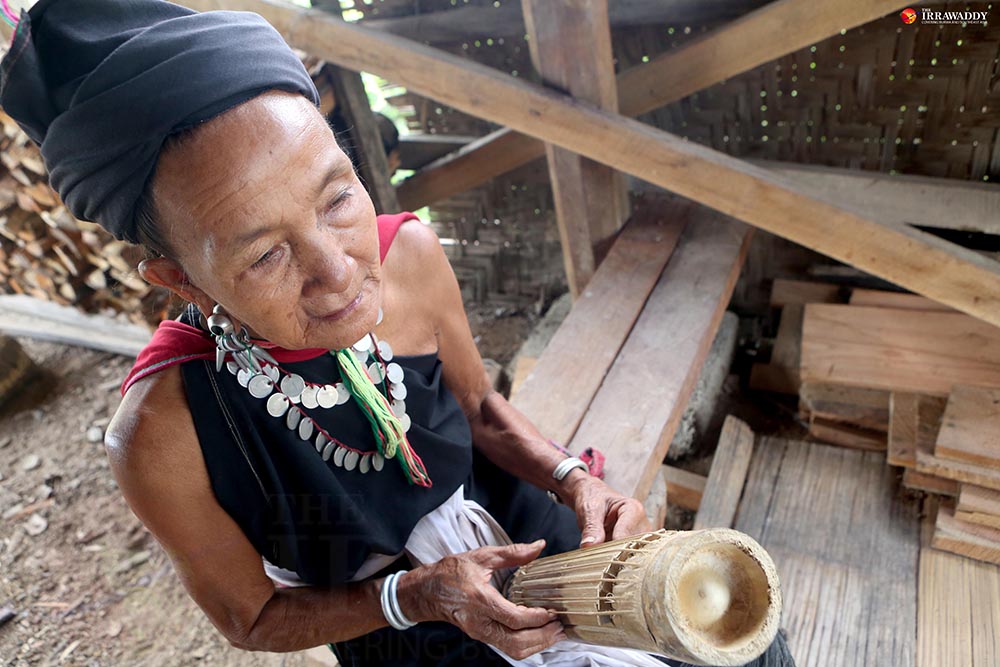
(600, 321)
(369, 152)
(904, 421)
(915, 260)
(944, 203)
(734, 48)
(685, 489)
(970, 430)
(786, 292)
(727, 476)
(966, 539)
(44, 320)
(924, 352)
(636, 412)
(419, 150)
(507, 20)
(978, 505)
(900, 300)
(570, 44)
(918, 481)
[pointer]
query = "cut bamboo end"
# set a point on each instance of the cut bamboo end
(709, 597)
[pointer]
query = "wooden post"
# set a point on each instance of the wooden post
(570, 44)
(352, 100)
(369, 153)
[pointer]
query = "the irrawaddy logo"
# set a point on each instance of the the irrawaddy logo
(935, 17)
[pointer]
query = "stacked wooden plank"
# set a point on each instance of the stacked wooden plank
(46, 253)
(901, 374)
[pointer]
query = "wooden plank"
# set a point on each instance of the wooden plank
(979, 505)
(727, 476)
(846, 435)
(922, 352)
(570, 44)
(43, 320)
(734, 48)
(884, 299)
(915, 260)
(656, 503)
(860, 406)
(958, 611)
(918, 481)
(352, 100)
(418, 150)
(635, 413)
(599, 322)
(971, 427)
(966, 539)
(785, 292)
(931, 413)
(845, 545)
(684, 488)
(903, 425)
(945, 203)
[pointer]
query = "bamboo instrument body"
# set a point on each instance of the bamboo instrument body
(708, 597)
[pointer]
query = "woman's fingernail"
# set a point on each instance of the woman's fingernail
(588, 540)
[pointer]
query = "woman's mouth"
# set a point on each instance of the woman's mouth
(343, 312)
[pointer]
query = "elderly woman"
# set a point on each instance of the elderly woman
(314, 441)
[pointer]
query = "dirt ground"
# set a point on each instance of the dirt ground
(85, 581)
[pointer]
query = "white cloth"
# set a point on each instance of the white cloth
(459, 525)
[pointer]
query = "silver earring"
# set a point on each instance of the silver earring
(245, 353)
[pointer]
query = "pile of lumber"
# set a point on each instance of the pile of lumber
(898, 373)
(47, 253)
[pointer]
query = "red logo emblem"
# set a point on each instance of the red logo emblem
(909, 15)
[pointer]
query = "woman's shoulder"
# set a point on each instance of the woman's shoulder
(416, 256)
(153, 424)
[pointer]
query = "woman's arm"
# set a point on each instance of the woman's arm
(158, 464)
(499, 430)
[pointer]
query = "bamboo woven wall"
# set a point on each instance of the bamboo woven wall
(886, 97)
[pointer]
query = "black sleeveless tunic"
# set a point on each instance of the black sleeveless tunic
(322, 521)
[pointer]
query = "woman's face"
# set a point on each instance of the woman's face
(266, 217)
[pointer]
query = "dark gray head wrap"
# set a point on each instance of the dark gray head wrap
(100, 84)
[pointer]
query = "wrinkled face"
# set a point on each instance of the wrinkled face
(266, 216)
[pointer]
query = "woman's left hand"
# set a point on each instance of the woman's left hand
(602, 513)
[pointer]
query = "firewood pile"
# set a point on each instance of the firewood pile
(47, 253)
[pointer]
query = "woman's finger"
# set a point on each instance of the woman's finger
(519, 644)
(513, 555)
(592, 523)
(515, 617)
(631, 520)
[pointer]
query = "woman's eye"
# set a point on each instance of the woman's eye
(264, 259)
(337, 201)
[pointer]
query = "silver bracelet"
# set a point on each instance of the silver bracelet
(567, 465)
(390, 603)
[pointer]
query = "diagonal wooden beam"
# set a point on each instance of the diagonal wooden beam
(903, 255)
(777, 29)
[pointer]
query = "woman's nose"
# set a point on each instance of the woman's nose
(328, 269)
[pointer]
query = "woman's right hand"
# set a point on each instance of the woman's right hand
(457, 589)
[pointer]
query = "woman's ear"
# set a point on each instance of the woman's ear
(168, 273)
